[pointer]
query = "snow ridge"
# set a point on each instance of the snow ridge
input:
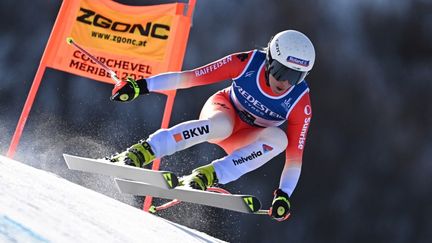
(38, 206)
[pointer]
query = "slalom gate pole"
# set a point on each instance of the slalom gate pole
(113, 75)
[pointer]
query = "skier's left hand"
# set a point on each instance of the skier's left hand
(129, 90)
(281, 207)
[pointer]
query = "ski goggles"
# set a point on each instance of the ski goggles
(282, 73)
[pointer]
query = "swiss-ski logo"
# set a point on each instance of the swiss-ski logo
(242, 56)
(190, 133)
(286, 104)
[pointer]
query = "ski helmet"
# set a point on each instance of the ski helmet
(290, 56)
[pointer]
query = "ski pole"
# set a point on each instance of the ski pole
(154, 208)
(112, 74)
(262, 211)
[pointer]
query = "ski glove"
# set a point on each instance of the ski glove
(280, 209)
(128, 90)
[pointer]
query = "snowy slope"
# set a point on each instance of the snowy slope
(37, 206)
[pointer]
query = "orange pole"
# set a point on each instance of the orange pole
(171, 94)
(165, 123)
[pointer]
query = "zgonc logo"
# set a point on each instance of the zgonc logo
(150, 29)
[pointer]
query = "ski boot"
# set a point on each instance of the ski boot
(201, 178)
(137, 155)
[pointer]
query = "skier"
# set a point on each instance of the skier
(268, 89)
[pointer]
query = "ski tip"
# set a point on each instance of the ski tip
(69, 40)
(253, 204)
(171, 179)
(65, 157)
(70, 156)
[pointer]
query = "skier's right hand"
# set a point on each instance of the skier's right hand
(280, 209)
(129, 90)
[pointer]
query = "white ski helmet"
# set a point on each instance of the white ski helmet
(290, 56)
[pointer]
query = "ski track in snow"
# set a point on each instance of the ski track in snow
(38, 206)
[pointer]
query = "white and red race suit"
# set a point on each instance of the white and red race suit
(243, 119)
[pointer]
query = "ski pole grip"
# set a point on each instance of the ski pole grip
(69, 40)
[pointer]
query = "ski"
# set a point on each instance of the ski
(234, 202)
(160, 179)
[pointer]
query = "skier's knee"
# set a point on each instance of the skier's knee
(221, 127)
(275, 136)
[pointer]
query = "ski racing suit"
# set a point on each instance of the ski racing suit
(243, 119)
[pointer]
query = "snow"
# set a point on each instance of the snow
(38, 206)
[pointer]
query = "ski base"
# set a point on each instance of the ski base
(238, 203)
(161, 179)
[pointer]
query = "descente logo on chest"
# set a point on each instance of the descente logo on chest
(256, 104)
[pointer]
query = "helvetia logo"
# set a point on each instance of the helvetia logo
(267, 148)
(253, 155)
(190, 133)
